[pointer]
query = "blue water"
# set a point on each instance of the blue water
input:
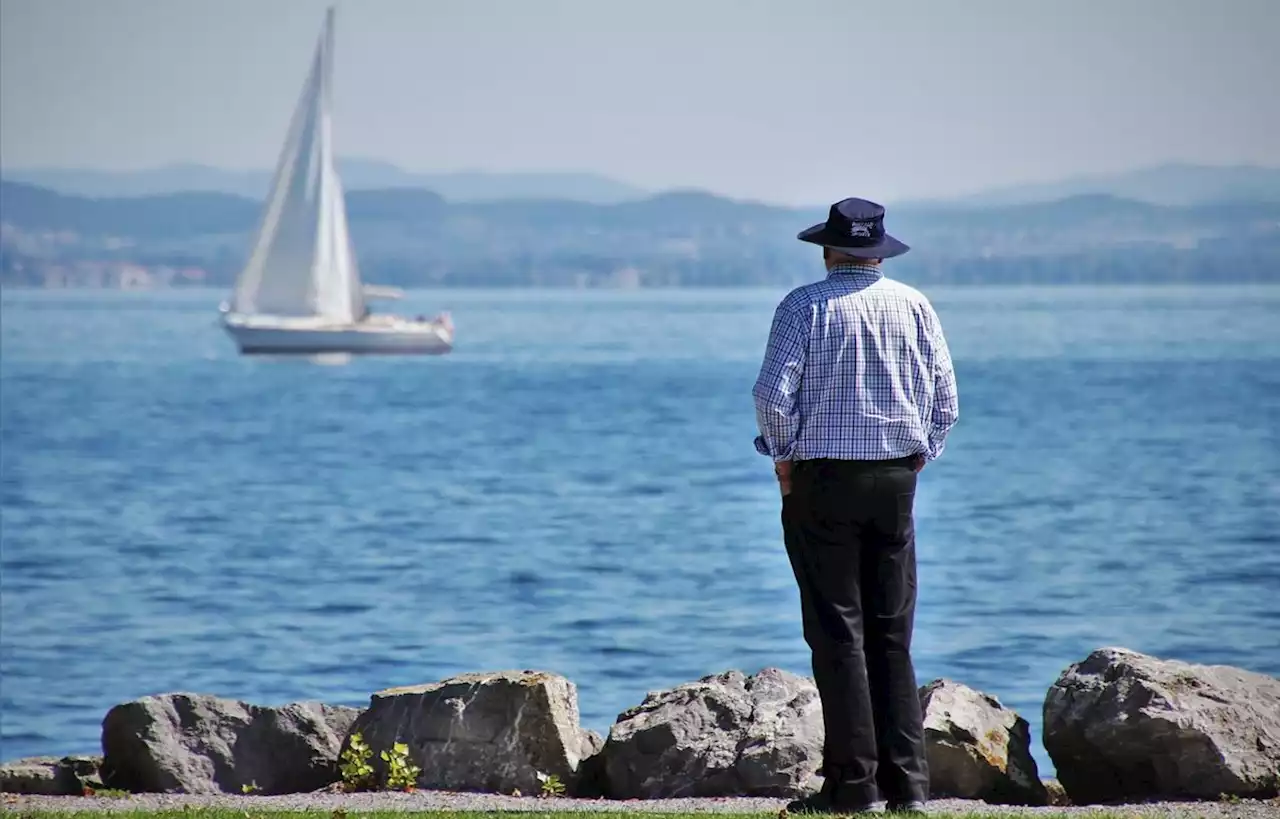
(574, 489)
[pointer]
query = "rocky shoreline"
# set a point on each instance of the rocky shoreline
(1122, 728)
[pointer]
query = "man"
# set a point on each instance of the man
(856, 395)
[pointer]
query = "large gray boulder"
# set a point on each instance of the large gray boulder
(723, 735)
(977, 748)
(1125, 726)
(492, 732)
(51, 775)
(195, 743)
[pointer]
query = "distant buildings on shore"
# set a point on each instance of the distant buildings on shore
(56, 260)
(102, 275)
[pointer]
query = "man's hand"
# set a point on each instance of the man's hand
(783, 470)
(919, 462)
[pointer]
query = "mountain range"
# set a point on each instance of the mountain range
(357, 174)
(415, 237)
(1168, 184)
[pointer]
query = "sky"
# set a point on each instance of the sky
(788, 101)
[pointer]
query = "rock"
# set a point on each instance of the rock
(593, 743)
(36, 775)
(592, 782)
(1125, 726)
(1057, 794)
(194, 743)
(490, 732)
(50, 776)
(977, 748)
(724, 735)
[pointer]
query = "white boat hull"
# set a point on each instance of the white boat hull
(259, 335)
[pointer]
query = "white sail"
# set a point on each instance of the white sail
(302, 263)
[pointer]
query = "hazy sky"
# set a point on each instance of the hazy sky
(799, 101)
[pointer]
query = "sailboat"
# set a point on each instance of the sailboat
(300, 291)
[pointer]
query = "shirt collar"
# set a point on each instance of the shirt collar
(852, 269)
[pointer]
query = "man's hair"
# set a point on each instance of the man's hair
(833, 256)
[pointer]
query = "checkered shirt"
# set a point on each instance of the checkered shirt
(856, 369)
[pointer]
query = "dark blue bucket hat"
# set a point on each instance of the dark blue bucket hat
(855, 227)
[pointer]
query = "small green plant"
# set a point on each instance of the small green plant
(357, 773)
(402, 774)
(250, 788)
(551, 785)
(106, 793)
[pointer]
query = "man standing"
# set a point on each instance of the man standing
(855, 396)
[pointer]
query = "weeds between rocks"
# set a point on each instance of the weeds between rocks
(358, 775)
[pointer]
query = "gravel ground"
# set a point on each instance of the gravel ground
(443, 801)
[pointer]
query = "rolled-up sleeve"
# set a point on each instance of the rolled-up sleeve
(778, 384)
(946, 401)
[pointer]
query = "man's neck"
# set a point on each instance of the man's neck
(854, 269)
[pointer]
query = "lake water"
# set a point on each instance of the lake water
(575, 490)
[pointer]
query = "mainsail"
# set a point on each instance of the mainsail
(302, 263)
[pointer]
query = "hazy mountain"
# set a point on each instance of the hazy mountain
(357, 174)
(169, 216)
(1173, 184)
(414, 237)
(168, 179)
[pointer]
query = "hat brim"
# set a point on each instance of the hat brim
(886, 248)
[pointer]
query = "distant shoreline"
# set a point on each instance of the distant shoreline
(568, 288)
(411, 238)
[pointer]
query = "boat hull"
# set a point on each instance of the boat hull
(363, 338)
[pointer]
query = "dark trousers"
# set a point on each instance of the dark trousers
(850, 535)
